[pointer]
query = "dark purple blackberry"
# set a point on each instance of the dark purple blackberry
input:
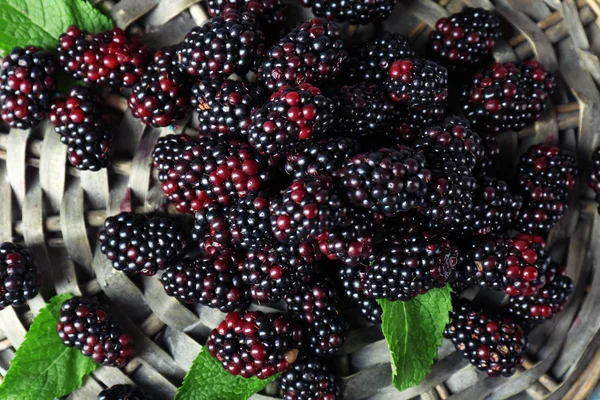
(311, 53)
(293, 115)
(85, 325)
(492, 343)
(255, 344)
(487, 164)
(321, 157)
(135, 244)
(316, 304)
(227, 44)
(212, 231)
(224, 107)
(353, 282)
(465, 39)
(351, 240)
(309, 378)
(122, 392)
(387, 180)
(413, 264)
(19, 278)
(495, 208)
(162, 95)
(27, 86)
(507, 96)
(545, 176)
(267, 12)
(84, 126)
(250, 222)
(594, 178)
(352, 11)
(211, 281)
(102, 58)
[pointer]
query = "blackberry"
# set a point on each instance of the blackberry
(320, 157)
(224, 107)
(413, 264)
(267, 12)
(465, 39)
(507, 96)
(250, 222)
(594, 178)
(83, 125)
(309, 378)
(387, 180)
(255, 344)
(212, 232)
(19, 278)
(486, 165)
(122, 392)
(353, 11)
(293, 115)
(351, 241)
(495, 208)
(27, 86)
(490, 342)
(545, 176)
(353, 283)
(162, 95)
(135, 244)
(311, 53)
(102, 58)
(85, 325)
(227, 44)
(213, 282)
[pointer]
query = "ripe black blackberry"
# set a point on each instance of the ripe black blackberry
(85, 325)
(353, 11)
(492, 343)
(250, 221)
(309, 378)
(507, 96)
(135, 244)
(387, 180)
(267, 12)
(311, 53)
(294, 114)
(487, 164)
(255, 344)
(162, 95)
(84, 126)
(594, 178)
(27, 86)
(227, 44)
(224, 107)
(465, 39)
(122, 392)
(102, 58)
(19, 278)
(211, 230)
(545, 176)
(351, 240)
(352, 279)
(211, 281)
(495, 208)
(320, 157)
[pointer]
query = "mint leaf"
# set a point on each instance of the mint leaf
(414, 331)
(40, 22)
(44, 368)
(207, 380)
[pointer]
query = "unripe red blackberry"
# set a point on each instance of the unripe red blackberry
(267, 12)
(309, 378)
(27, 86)
(321, 157)
(122, 392)
(102, 58)
(84, 126)
(353, 11)
(351, 240)
(492, 343)
(19, 279)
(85, 325)
(255, 344)
(352, 279)
(594, 178)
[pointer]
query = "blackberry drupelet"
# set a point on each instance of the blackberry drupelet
(27, 86)
(83, 125)
(19, 278)
(212, 232)
(545, 176)
(507, 96)
(255, 344)
(309, 378)
(465, 39)
(267, 12)
(594, 178)
(351, 240)
(486, 165)
(352, 11)
(135, 244)
(227, 44)
(224, 107)
(495, 208)
(352, 279)
(85, 325)
(492, 343)
(102, 58)
(162, 95)
(311, 53)
(293, 115)
(250, 221)
(122, 392)
(320, 157)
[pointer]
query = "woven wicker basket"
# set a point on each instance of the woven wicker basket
(55, 211)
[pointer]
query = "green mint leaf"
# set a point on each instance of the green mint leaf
(44, 368)
(40, 22)
(414, 331)
(207, 380)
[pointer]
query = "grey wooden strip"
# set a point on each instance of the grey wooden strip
(171, 33)
(6, 211)
(52, 170)
(533, 8)
(155, 382)
(89, 390)
(15, 158)
(126, 12)
(427, 11)
(183, 348)
(128, 135)
(571, 18)
(111, 376)
(367, 382)
(167, 10)
(12, 327)
(73, 228)
(141, 167)
(95, 185)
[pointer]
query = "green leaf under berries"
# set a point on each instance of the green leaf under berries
(40, 22)
(414, 331)
(44, 368)
(207, 380)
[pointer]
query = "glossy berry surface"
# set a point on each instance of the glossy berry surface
(267, 12)
(352, 279)
(594, 178)
(351, 239)
(417, 83)
(19, 278)
(122, 392)
(320, 157)
(353, 11)
(309, 379)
